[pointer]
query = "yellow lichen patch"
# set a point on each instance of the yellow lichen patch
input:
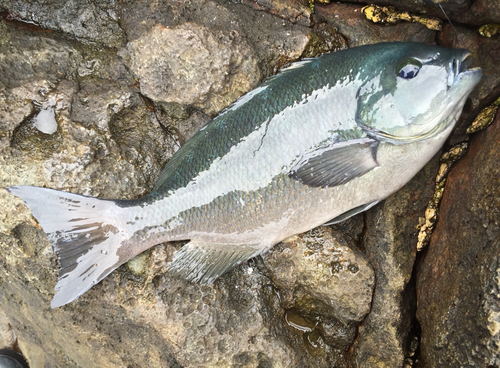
(489, 30)
(484, 118)
(431, 212)
(389, 14)
(311, 4)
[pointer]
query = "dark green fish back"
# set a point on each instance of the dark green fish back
(232, 125)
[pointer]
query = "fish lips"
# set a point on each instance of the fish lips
(461, 75)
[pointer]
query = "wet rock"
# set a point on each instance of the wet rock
(38, 135)
(87, 20)
(390, 15)
(458, 278)
(325, 287)
(425, 6)
(190, 64)
(349, 21)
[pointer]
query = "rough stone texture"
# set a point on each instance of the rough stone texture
(295, 11)
(425, 5)
(274, 40)
(190, 64)
(88, 20)
(474, 12)
(7, 336)
(458, 279)
(319, 276)
(359, 31)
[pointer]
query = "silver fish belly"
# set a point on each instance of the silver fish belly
(319, 142)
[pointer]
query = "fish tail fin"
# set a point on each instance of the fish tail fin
(85, 232)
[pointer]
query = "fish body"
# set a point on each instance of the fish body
(321, 141)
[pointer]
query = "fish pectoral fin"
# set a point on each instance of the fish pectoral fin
(205, 262)
(350, 213)
(336, 164)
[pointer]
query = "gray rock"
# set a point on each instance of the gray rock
(86, 20)
(317, 275)
(191, 64)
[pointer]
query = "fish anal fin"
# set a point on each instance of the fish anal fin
(204, 262)
(336, 164)
(352, 212)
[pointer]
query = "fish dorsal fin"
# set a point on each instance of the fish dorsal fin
(205, 262)
(350, 213)
(336, 164)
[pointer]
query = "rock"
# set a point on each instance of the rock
(350, 22)
(7, 336)
(319, 276)
(191, 64)
(292, 10)
(475, 12)
(424, 5)
(85, 20)
(457, 280)
(274, 40)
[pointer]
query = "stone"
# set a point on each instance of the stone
(86, 20)
(292, 10)
(192, 64)
(319, 276)
(349, 21)
(7, 336)
(475, 12)
(458, 277)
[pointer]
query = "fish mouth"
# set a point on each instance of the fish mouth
(459, 69)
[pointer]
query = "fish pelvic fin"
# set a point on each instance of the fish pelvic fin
(85, 233)
(205, 262)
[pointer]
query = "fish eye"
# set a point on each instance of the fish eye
(408, 68)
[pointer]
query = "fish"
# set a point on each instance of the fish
(317, 143)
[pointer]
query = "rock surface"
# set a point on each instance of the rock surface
(189, 63)
(96, 96)
(458, 279)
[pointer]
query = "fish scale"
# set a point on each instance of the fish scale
(319, 142)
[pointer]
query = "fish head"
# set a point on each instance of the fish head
(412, 91)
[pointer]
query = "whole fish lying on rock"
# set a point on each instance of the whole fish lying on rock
(319, 142)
